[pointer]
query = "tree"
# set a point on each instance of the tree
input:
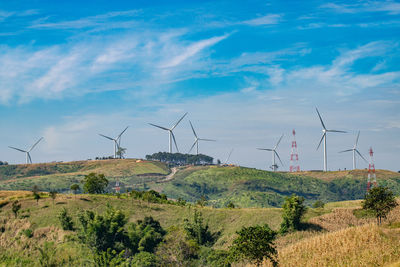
(95, 183)
(75, 188)
(53, 195)
(318, 204)
(254, 243)
(121, 152)
(65, 220)
(293, 211)
(16, 206)
(35, 192)
(380, 200)
(198, 230)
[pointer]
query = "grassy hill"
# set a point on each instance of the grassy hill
(245, 187)
(354, 241)
(248, 187)
(60, 176)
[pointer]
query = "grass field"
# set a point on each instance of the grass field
(352, 242)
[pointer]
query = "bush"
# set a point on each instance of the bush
(293, 211)
(198, 231)
(16, 206)
(230, 205)
(318, 204)
(28, 233)
(145, 259)
(254, 244)
(94, 183)
(65, 220)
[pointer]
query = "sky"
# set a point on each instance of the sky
(246, 73)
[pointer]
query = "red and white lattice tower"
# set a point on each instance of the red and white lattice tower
(294, 156)
(371, 170)
(117, 187)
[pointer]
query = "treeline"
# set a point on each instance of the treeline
(3, 163)
(180, 159)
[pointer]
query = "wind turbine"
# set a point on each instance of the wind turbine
(355, 150)
(229, 156)
(324, 131)
(273, 150)
(171, 133)
(197, 139)
(117, 141)
(28, 156)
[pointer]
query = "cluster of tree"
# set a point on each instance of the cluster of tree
(180, 159)
(149, 196)
(3, 163)
(104, 158)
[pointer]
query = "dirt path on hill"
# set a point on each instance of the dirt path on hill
(170, 176)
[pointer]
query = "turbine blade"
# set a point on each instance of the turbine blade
(276, 153)
(194, 132)
(361, 156)
(18, 149)
(322, 138)
(173, 137)
(226, 161)
(176, 124)
(336, 131)
(358, 135)
(122, 132)
(112, 139)
(29, 157)
(323, 125)
(195, 142)
(278, 142)
(207, 140)
(35, 144)
(346, 150)
(267, 149)
(159, 127)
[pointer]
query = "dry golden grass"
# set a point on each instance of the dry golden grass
(367, 245)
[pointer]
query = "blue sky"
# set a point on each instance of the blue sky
(246, 73)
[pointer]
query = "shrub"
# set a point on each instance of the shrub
(65, 220)
(254, 244)
(53, 195)
(94, 183)
(16, 206)
(318, 204)
(198, 231)
(28, 233)
(293, 211)
(230, 205)
(145, 259)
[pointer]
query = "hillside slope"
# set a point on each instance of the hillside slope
(60, 176)
(248, 187)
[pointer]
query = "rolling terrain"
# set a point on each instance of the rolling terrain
(245, 187)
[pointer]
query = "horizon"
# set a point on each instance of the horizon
(245, 74)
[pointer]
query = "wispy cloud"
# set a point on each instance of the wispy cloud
(389, 7)
(269, 19)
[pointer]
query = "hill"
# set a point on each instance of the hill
(355, 241)
(245, 187)
(248, 187)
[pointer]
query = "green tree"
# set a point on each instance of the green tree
(16, 206)
(121, 152)
(94, 183)
(65, 220)
(53, 195)
(145, 259)
(293, 211)
(75, 188)
(318, 204)
(198, 230)
(380, 200)
(36, 196)
(254, 243)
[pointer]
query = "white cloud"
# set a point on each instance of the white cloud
(389, 7)
(269, 19)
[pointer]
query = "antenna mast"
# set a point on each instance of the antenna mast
(294, 156)
(371, 170)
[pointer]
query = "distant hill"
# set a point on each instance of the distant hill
(245, 187)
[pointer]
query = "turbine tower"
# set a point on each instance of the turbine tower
(355, 150)
(197, 139)
(229, 156)
(171, 133)
(116, 140)
(324, 131)
(274, 166)
(28, 156)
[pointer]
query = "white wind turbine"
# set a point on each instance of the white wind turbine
(171, 133)
(197, 139)
(274, 166)
(355, 150)
(28, 156)
(324, 131)
(117, 141)
(229, 156)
